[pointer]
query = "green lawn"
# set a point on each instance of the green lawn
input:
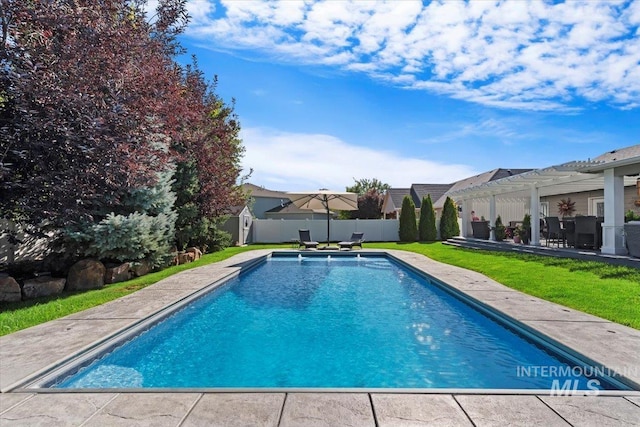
(611, 292)
(604, 290)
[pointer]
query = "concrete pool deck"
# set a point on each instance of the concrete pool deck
(27, 353)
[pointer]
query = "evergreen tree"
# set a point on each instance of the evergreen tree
(209, 166)
(142, 228)
(500, 229)
(408, 226)
(449, 222)
(427, 226)
(192, 228)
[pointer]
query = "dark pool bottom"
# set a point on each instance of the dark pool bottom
(333, 322)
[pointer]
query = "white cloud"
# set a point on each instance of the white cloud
(295, 161)
(506, 131)
(528, 55)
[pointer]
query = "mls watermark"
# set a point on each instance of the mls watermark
(565, 380)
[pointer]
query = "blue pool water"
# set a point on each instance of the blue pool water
(319, 322)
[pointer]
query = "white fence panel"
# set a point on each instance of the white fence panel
(278, 231)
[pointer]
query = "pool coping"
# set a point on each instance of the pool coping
(35, 350)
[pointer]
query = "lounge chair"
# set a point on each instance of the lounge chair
(305, 240)
(356, 240)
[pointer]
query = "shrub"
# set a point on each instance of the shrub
(500, 229)
(408, 226)
(127, 238)
(631, 216)
(143, 227)
(427, 226)
(449, 222)
(193, 226)
(525, 234)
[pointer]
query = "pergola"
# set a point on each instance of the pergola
(571, 177)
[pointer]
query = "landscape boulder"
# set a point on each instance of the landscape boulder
(197, 253)
(86, 274)
(42, 286)
(117, 273)
(186, 257)
(9, 289)
(140, 267)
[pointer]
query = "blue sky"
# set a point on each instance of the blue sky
(420, 92)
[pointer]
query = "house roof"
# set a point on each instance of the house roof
(566, 178)
(420, 191)
(256, 191)
(439, 191)
(479, 179)
(619, 154)
(237, 210)
(626, 161)
(393, 198)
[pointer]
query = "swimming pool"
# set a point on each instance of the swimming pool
(322, 322)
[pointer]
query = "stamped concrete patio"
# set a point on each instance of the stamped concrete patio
(26, 354)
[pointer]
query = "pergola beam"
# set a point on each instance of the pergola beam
(572, 177)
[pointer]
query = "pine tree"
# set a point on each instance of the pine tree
(449, 222)
(427, 226)
(500, 229)
(192, 227)
(142, 228)
(408, 226)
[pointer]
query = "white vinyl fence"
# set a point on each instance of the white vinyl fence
(281, 230)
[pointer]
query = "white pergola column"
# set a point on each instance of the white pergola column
(465, 216)
(534, 210)
(613, 227)
(492, 217)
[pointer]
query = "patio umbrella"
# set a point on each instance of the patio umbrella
(340, 201)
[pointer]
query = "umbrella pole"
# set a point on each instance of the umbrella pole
(328, 241)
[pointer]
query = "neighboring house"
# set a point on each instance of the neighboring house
(437, 191)
(262, 200)
(269, 204)
(290, 211)
(392, 204)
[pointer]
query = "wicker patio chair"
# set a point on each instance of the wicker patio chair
(632, 236)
